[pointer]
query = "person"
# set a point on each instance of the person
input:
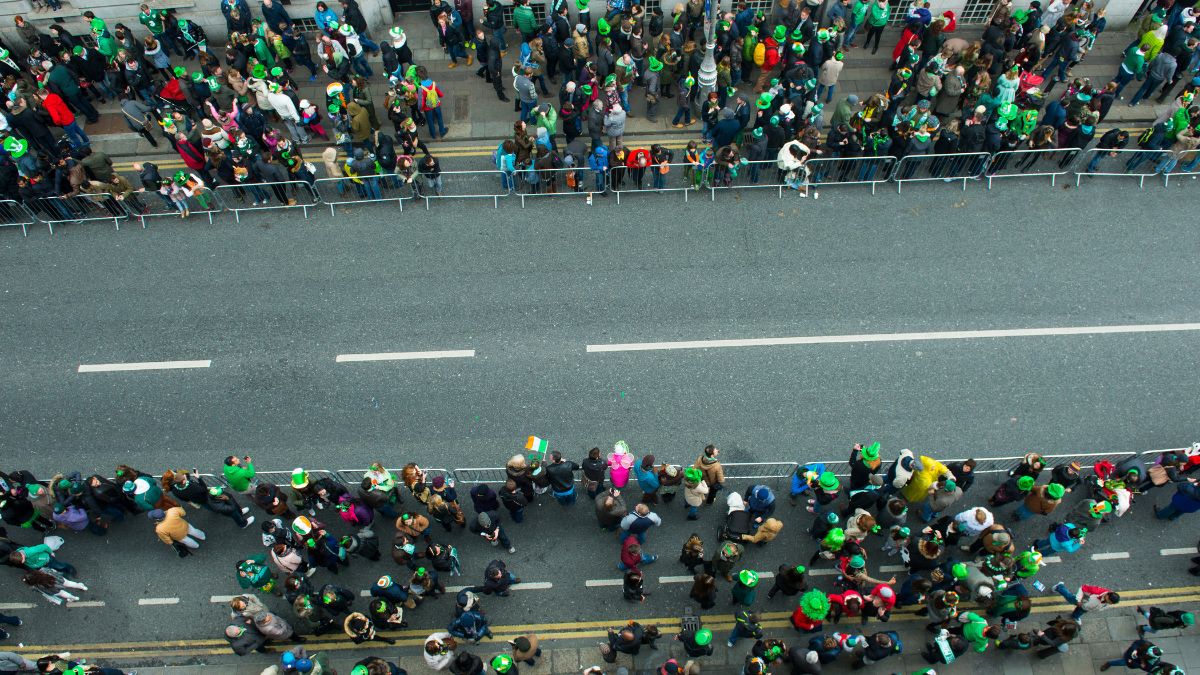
(695, 491)
(1088, 598)
(710, 467)
(745, 625)
(497, 579)
(632, 556)
(610, 509)
(1141, 654)
(1186, 499)
(238, 473)
(696, 642)
(360, 629)
(175, 531)
(60, 114)
(561, 475)
(639, 522)
(1157, 618)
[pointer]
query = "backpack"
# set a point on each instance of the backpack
(1146, 136)
(760, 54)
(432, 100)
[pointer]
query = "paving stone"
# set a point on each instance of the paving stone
(1095, 629)
(1122, 627)
(566, 660)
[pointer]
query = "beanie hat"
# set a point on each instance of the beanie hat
(156, 514)
(1188, 619)
(1025, 483)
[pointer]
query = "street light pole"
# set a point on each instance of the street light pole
(708, 68)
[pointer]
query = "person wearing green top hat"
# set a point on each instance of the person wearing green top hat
(745, 588)
(652, 80)
(683, 110)
(1041, 500)
(697, 642)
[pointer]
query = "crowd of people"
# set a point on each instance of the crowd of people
(914, 509)
(234, 114)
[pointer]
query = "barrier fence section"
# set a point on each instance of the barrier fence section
(755, 471)
(745, 175)
(15, 214)
(156, 205)
(79, 209)
(1186, 163)
(567, 181)
(1132, 163)
(488, 184)
(387, 187)
(851, 170)
(291, 194)
(1053, 162)
(677, 177)
(962, 166)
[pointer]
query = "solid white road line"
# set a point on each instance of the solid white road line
(896, 337)
(7, 606)
(823, 573)
(406, 356)
(893, 568)
(592, 583)
(145, 365)
(1115, 555)
(1177, 551)
(221, 599)
(158, 601)
(529, 586)
(86, 603)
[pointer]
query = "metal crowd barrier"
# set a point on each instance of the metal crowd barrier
(677, 178)
(962, 166)
(1053, 162)
(555, 182)
(14, 214)
(157, 205)
(851, 170)
(763, 173)
(79, 209)
(291, 194)
(353, 477)
(386, 187)
(1186, 164)
(1132, 163)
(489, 184)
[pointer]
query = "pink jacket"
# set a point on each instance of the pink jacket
(619, 464)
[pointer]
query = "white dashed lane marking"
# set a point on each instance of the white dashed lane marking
(1178, 551)
(406, 356)
(158, 601)
(145, 365)
(1115, 555)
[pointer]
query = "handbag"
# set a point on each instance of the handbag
(1158, 475)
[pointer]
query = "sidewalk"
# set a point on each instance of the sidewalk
(475, 116)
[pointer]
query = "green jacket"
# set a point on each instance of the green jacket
(524, 20)
(878, 15)
(239, 476)
(548, 120)
(36, 557)
(62, 78)
(973, 627)
(1135, 62)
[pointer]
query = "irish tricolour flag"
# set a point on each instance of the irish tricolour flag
(536, 447)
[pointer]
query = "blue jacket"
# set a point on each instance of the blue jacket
(469, 625)
(647, 480)
(598, 160)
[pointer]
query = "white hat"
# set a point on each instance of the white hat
(303, 103)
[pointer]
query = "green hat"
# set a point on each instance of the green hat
(774, 120)
(815, 605)
(17, 147)
(77, 50)
(603, 27)
(731, 91)
(420, 571)
(64, 484)
(259, 71)
(1020, 15)
(764, 101)
(611, 79)
(655, 65)
(904, 73)
(799, 48)
(871, 452)
(780, 33)
(1008, 111)
(797, 34)
(703, 636)
(829, 482)
(689, 81)
(857, 561)
(299, 478)
(182, 23)
(831, 517)
(823, 35)
(1055, 491)
(586, 89)
(1025, 483)
(197, 76)
(359, 670)
(838, 55)
(277, 72)
(346, 29)
(951, 486)
(904, 532)
(179, 71)
(834, 538)
(335, 107)
(800, 569)
(693, 474)
(3, 53)
(959, 571)
(748, 578)
(98, 24)
(757, 133)
(217, 489)
(502, 663)
(1188, 619)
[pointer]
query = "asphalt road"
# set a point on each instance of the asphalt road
(273, 301)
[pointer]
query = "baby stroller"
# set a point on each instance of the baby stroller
(737, 521)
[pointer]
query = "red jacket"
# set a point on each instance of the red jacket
(57, 108)
(628, 557)
(633, 162)
(192, 156)
(801, 621)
